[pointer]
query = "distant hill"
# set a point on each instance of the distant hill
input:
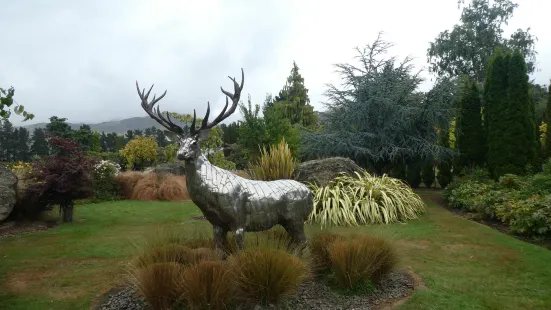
(120, 127)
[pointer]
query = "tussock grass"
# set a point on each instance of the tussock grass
(360, 259)
(126, 181)
(152, 186)
(159, 284)
(208, 285)
(266, 275)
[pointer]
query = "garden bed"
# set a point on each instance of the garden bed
(494, 224)
(316, 295)
(10, 229)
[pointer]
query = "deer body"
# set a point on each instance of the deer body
(229, 202)
(235, 204)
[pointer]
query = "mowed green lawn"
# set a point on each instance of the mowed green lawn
(464, 265)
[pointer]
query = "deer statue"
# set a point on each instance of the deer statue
(229, 202)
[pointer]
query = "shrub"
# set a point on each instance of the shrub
(155, 186)
(364, 199)
(428, 174)
(530, 217)
(126, 181)
(159, 283)
(276, 164)
(174, 253)
(208, 285)
(463, 193)
(512, 181)
(319, 248)
(103, 177)
(173, 188)
(63, 177)
(266, 275)
(540, 184)
(140, 151)
(361, 259)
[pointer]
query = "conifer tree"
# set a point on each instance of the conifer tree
(509, 115)
(495, 116)
(444, 175)
(293, 102)
(470, 133)
(547, 142)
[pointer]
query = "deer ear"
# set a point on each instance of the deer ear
(204, 134)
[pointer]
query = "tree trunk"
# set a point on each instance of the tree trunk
(67, 213)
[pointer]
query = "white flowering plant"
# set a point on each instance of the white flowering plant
(105, 186)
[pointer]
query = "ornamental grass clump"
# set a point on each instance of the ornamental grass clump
(364, 199)
(277, 164)
(208, 285)
(265, 276)
(360, 259)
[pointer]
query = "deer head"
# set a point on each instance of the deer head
(189, 143)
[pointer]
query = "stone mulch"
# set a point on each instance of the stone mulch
(393, 289)
(10, 229)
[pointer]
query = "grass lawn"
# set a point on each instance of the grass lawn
(464, 265)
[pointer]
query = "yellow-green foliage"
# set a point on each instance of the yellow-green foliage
(364, 199)
(139, 150)
(276, 164)
(543, 133)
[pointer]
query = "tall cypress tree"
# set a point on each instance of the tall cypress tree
(470, 133)
(495, 113)
(23, 151)
(512, 144)
(547, 142)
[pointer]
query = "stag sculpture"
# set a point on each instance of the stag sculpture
(229, 202)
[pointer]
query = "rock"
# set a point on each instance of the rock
(322, 171)
(8, 192)
(176, 168)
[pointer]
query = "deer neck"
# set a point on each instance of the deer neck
(194, 168)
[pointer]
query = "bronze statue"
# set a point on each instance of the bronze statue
(229, 202)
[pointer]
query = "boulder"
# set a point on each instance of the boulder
(8, 192)
(322, 171)
(176, 168)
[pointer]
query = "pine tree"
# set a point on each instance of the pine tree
(293, 102)
(23, 151)
(8, 143)
(444, 175)
(58, 127)
(39, 144)
(470, 133)
(547, 143)
(129, 135)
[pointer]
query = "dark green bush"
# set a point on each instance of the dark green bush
(428, 174)
(530, 217)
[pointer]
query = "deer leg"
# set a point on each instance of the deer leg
(220, 238)
(239, 235)
(296, 230)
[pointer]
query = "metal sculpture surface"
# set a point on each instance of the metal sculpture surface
(229, 202)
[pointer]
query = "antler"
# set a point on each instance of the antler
(224, 114)
(148, 107)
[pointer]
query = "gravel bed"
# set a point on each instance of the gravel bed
(311, 295)
(125, 298)
(10, 229)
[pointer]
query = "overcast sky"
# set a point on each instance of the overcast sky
(80, 59)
